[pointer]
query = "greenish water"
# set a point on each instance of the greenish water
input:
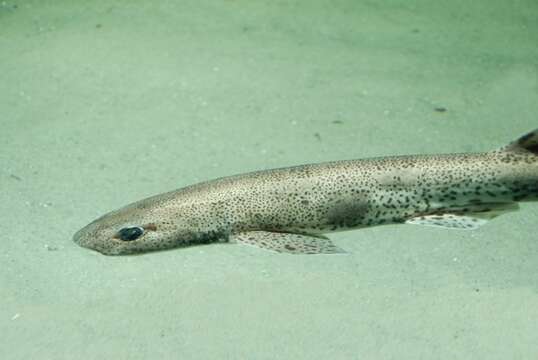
(106, 102)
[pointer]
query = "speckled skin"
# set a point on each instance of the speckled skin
(319, 198)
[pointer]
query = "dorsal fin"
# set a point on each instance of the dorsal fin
(528, 142)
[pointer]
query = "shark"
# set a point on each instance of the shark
(290, 210)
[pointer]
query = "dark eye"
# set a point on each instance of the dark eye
(130, 233)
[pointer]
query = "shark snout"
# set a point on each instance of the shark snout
(82, 236)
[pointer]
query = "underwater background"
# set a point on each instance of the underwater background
(106, 102)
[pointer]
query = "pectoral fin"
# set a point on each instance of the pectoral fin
(466, 218)
(287, 242)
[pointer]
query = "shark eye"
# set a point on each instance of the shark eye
(130, 233)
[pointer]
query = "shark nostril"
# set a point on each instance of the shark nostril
(130, 233)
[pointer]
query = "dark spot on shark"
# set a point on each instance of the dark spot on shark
(347, 213)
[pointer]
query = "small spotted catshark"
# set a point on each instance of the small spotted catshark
(289, 209)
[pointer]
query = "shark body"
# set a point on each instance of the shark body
(290, 209)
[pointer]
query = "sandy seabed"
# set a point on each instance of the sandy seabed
(106, 102)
